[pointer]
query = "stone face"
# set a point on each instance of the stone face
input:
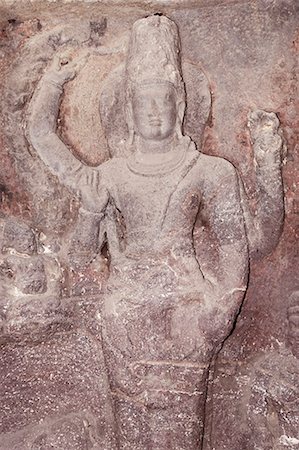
(133, 210)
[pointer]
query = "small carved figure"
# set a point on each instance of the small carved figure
(30, 285)
(164, 317)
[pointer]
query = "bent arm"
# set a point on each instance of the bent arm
(41, 132)
(264, 226)
(42, 127)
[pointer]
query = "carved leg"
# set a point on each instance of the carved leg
(158, 404)
(153, 427)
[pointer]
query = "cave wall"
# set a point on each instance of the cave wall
(53, 380)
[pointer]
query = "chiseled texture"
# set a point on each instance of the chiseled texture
(123, 323)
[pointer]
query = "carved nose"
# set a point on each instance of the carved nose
(154, 112)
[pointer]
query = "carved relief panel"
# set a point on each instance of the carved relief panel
(127, 276)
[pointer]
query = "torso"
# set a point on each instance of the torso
(155, 281)
(158, 211)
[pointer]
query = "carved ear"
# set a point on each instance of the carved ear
(129, 121)
(181, 106)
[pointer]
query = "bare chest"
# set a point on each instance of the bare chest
(153, 202)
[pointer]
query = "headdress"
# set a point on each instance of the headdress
(154, 54)
(153, 57)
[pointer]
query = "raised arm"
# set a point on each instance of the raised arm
(42, 126)
(264, 226)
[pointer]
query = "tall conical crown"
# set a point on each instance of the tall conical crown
(154, 53)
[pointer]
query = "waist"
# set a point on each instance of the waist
(165, 272)
(152, 254)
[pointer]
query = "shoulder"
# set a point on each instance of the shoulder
(218, 176)
(215, 167)
(112, 167)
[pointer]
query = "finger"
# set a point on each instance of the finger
(56, 62)
(65, 56)
(256, 119)
(294, 309)
(294, 332)
(294, 320)
(256, 114)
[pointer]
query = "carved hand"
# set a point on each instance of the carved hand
(265, 137)
(64, 67)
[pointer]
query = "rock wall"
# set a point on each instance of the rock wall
(54, 385)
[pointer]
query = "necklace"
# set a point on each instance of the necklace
(153, 164)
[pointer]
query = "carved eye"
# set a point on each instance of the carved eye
(167, 98)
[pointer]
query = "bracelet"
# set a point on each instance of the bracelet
(94, 214)
(53, 83)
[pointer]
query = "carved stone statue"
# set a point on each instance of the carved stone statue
(164, 316)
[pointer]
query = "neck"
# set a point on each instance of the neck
(151, 146)
(159, 159)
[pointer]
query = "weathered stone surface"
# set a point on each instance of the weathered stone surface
(55, 394)
(156, 351)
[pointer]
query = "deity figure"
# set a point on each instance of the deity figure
(164, 317)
